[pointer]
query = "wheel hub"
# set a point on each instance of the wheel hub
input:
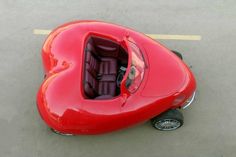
(167, 124)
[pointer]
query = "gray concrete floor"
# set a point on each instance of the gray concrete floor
(210, 123)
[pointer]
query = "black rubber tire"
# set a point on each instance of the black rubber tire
(59, 133)
(178, 54)
(172, 114)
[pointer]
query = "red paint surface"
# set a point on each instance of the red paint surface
(61, 101)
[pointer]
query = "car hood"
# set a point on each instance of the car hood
(166, 73)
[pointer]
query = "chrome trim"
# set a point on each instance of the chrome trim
(189, 102)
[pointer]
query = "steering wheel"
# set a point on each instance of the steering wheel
(119, 78)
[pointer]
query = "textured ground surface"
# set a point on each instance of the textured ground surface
(210, 123)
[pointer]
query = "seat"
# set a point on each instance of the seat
(90, 85)
(99, 75)
(107, 88)
(108, 66)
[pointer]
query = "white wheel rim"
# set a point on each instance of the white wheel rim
(167, 124)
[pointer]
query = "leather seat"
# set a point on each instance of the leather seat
(108, 66)
(100, 74)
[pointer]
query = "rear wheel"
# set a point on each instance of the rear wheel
(167, 121)
(59, 133)
(178, 54)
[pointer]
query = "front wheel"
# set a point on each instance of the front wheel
(167, 121)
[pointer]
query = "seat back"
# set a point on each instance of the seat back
(91, 70)
(90, 85)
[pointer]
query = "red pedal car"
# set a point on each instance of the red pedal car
(101, 77)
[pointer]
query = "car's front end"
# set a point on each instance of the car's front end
(170, 82)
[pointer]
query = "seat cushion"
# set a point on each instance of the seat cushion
(108, 66)
(107, 78)
(107, 88)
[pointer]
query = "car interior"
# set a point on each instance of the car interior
(104, 67)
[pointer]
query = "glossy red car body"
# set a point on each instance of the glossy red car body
(167, 82)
